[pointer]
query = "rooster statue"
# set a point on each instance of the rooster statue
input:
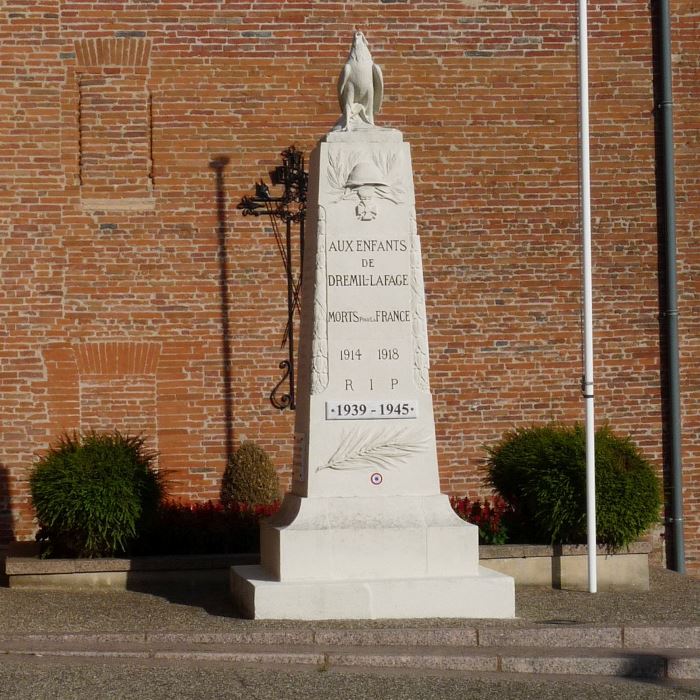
(360, 87)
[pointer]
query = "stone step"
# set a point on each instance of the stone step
(637, 637)
(652, 663)
(659, 664)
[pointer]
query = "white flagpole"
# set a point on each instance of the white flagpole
(587, 386)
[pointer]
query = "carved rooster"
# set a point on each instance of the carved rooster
(360, 86)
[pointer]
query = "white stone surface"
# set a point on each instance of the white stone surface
(367, 338)
(360, 87)
(365, 531)
(485, 595)
(358, 538)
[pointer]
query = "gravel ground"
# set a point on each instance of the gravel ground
(672, 599)
(46, 678)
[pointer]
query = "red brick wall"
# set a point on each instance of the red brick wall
(111, 291)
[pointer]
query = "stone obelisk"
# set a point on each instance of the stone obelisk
(365, 531)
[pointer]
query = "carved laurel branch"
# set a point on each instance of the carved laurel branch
(421, 361)
(340, 163)
(319, 342)
(383, 449)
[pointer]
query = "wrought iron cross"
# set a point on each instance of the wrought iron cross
(289, 207)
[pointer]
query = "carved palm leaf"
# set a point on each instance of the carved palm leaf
(383, 449)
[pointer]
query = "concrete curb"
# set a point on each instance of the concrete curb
(566, 566)
(659, 664)
(118, 574)
(23, 565)
(620, 638)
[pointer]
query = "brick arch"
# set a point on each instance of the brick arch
(119, 51)
(117, 358)
(102, 385)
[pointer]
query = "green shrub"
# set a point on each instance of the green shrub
(93, 492)
(250, 477)
(541, 473)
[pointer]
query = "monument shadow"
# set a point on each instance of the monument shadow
(218, 165)
(205, 589)
(6, 525)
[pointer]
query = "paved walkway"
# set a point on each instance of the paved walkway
(672, 600)
(185, 640)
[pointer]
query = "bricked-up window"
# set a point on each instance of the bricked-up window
(114, 122)
(114, 137)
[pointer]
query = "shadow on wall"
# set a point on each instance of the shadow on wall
(218, 165)
(6, 529)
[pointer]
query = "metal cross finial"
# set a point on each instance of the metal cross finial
(289, 207)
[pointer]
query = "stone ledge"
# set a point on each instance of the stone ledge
(511, 635)
(29, 565)
(512, 551)
(566, 566)
(24, 570)
(539, 565)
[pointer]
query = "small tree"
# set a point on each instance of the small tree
(250, 477)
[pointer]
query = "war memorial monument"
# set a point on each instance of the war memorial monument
(365, 532)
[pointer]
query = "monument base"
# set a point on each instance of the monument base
(487, 594)
(367, 538)
(370, 558)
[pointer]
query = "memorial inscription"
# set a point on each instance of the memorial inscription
(369, 344)
(368, 279)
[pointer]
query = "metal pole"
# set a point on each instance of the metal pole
(588, 391)
(670, 315)
(290, 312)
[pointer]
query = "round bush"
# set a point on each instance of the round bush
(92, 492)
(541, 473)
(250, 477)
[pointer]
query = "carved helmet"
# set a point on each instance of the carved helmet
(365, 173)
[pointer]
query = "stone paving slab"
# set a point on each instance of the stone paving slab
(684, 668)
(672, 637)
(657, 664)
(468, 636)
(471, 662)
(636, 666)
(531, 637)
(288, 637)
(559, 636)
(247, 657)
(61, 677)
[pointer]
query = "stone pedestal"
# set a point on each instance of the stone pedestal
(365, 532)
